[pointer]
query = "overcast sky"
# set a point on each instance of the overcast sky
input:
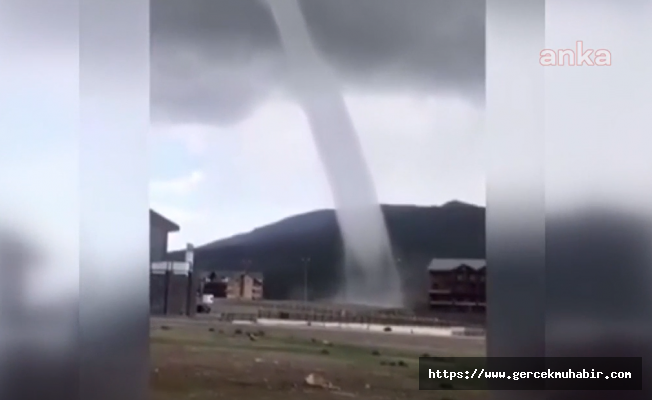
(230, 148)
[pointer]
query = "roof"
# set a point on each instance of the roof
(448, 264)
(156, 219)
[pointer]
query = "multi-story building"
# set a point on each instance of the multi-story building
(457, 285)
(235, 285)
(246, 286)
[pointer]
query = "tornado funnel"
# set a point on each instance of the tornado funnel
(371, 276)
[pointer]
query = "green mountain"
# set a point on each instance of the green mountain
(418, 234)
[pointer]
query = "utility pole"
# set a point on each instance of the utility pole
(305, 261)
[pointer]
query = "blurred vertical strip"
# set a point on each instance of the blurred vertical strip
(515, 35)
(39, 202)
(114, 231)
(599, 185)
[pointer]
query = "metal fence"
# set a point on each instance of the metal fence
(328, 312)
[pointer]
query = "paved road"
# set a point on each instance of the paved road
(455, 346)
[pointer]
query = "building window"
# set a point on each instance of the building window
(460, 277)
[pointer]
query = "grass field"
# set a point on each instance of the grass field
(210, 360)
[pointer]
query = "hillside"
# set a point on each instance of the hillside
(418, 234)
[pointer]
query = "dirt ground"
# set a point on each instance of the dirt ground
(202, 360)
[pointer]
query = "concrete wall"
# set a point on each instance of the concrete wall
(247, 287)
(233, 289)
(376, 328)
(257, 292)
(158, 243)
(157, 294)
(178, 295)
(173, 293)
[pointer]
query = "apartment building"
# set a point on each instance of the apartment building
(235, 285)
(245, 286)
(457, 285)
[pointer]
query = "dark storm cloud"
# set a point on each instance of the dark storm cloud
(212, 60)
